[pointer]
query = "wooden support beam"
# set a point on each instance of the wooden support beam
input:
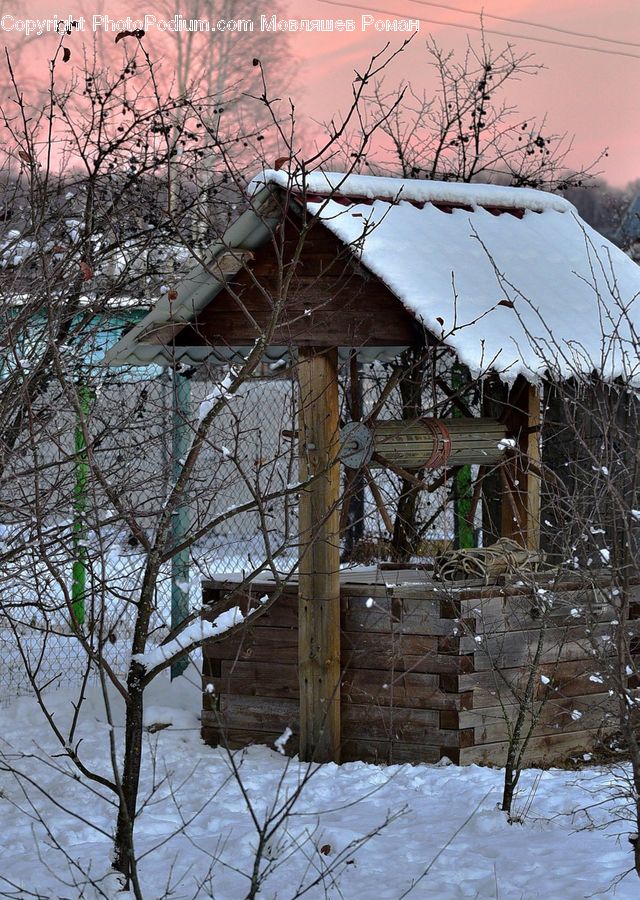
(532, 466)
(377, 496)
(494, 405)
(229, 264)
(319, 580)
(523, 422)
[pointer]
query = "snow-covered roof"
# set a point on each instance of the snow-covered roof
(376, 187)
(509, 278)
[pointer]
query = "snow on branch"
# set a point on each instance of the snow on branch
(193, 634)
(220, 392)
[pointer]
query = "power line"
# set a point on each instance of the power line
(486, 15)
(525, 37)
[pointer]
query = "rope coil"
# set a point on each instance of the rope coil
(505, 557)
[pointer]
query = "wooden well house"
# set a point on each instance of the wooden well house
(382, 664)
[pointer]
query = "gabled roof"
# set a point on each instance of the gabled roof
(508, 277)
(196, 290)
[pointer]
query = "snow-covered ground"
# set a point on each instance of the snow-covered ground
(196, 837)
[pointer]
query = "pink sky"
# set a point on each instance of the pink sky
(594, 96)
(591, 95)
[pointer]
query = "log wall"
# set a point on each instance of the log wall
(426, 671)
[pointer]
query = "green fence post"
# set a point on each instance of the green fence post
(79, 568)
(462, 486)
(181, 520)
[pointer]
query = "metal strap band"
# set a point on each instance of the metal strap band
(441, 443)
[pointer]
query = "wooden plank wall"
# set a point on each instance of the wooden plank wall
(425, 674)
(330, 301)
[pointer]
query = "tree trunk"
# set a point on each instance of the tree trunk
(518, 741)
(355, 482)
(124, 855)
(510, 780)
(405, 532)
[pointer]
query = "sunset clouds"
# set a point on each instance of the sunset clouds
(583, 92)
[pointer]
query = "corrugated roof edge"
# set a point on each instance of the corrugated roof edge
(195, 292)
(377, 187)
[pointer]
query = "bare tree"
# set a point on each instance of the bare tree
(464, 129)
(596, 427)
(133, 217)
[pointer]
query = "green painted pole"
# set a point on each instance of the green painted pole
(181, 520)
(79, 568)
(462, 485)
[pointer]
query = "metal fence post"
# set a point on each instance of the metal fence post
(79, 540)
(181, 520)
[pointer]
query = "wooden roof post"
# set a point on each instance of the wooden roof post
(532, 466)
(319, 584)
(521, 497)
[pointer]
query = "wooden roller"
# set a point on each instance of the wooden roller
(425, 443)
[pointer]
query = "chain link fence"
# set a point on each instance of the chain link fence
(53, 515)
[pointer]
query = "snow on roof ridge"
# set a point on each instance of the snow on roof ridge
(376, 187)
